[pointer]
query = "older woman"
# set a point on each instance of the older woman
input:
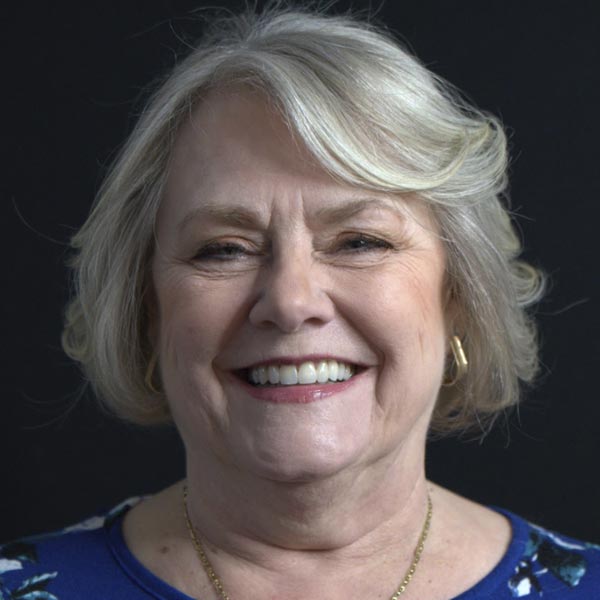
(301, 259)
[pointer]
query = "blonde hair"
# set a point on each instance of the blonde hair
(374, 117)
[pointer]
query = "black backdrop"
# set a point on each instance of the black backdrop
(71, 82)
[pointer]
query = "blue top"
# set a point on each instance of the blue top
(90, 561)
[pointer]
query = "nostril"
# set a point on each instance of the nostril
(290, 300)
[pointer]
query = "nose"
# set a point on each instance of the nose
(291, 295)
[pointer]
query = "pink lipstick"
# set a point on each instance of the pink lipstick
(296, 394)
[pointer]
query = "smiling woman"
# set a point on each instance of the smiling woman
(307, 281)
(279, 290)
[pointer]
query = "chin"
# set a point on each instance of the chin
(301, 466)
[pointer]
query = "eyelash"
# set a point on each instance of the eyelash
(216, 251)
(367, 242)
(220, 252)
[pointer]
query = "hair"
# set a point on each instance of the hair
(373, 116)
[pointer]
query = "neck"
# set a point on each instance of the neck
(371, 508)
(348, 536)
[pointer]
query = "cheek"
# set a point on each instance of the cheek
(402, 309)
(196, 320)
(429, 321)
(196, 316)
(401, 315)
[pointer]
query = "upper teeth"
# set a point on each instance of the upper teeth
(306, 372)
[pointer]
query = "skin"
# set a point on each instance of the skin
(299, 500)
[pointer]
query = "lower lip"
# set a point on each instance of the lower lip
(297, 394)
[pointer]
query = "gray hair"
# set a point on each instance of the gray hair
(373, 116)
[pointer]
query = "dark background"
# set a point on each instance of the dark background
(72, 82)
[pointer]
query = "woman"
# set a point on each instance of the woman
(301, 259)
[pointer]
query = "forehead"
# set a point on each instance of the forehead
(237, 129)
(236, 147)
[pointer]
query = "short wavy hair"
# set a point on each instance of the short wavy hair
(373, 116)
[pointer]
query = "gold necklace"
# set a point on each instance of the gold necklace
(218, 585)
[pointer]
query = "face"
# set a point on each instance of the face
(268, 275)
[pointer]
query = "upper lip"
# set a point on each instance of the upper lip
(296, 360)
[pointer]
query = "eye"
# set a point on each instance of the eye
(222, 251)
(363, 243)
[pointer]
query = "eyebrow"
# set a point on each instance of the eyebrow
(227, 215)
(250, 219)
(351, 208)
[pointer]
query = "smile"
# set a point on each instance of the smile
(305, 373)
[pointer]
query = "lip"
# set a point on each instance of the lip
(296, 394)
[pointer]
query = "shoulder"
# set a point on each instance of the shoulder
(505, 556)
(553, 564)
(63, 564)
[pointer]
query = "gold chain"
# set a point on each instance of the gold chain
(214, 578)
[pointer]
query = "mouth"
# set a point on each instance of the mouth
(298, 374)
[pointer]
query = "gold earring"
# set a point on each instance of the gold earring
(461, 364)
(150, 373)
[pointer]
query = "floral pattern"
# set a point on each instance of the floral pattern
(547, 553)
(546, 560)
(14, 555)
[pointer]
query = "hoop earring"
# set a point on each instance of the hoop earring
(150, 373)
(461, 364)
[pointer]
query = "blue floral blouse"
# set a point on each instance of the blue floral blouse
(90, 561)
